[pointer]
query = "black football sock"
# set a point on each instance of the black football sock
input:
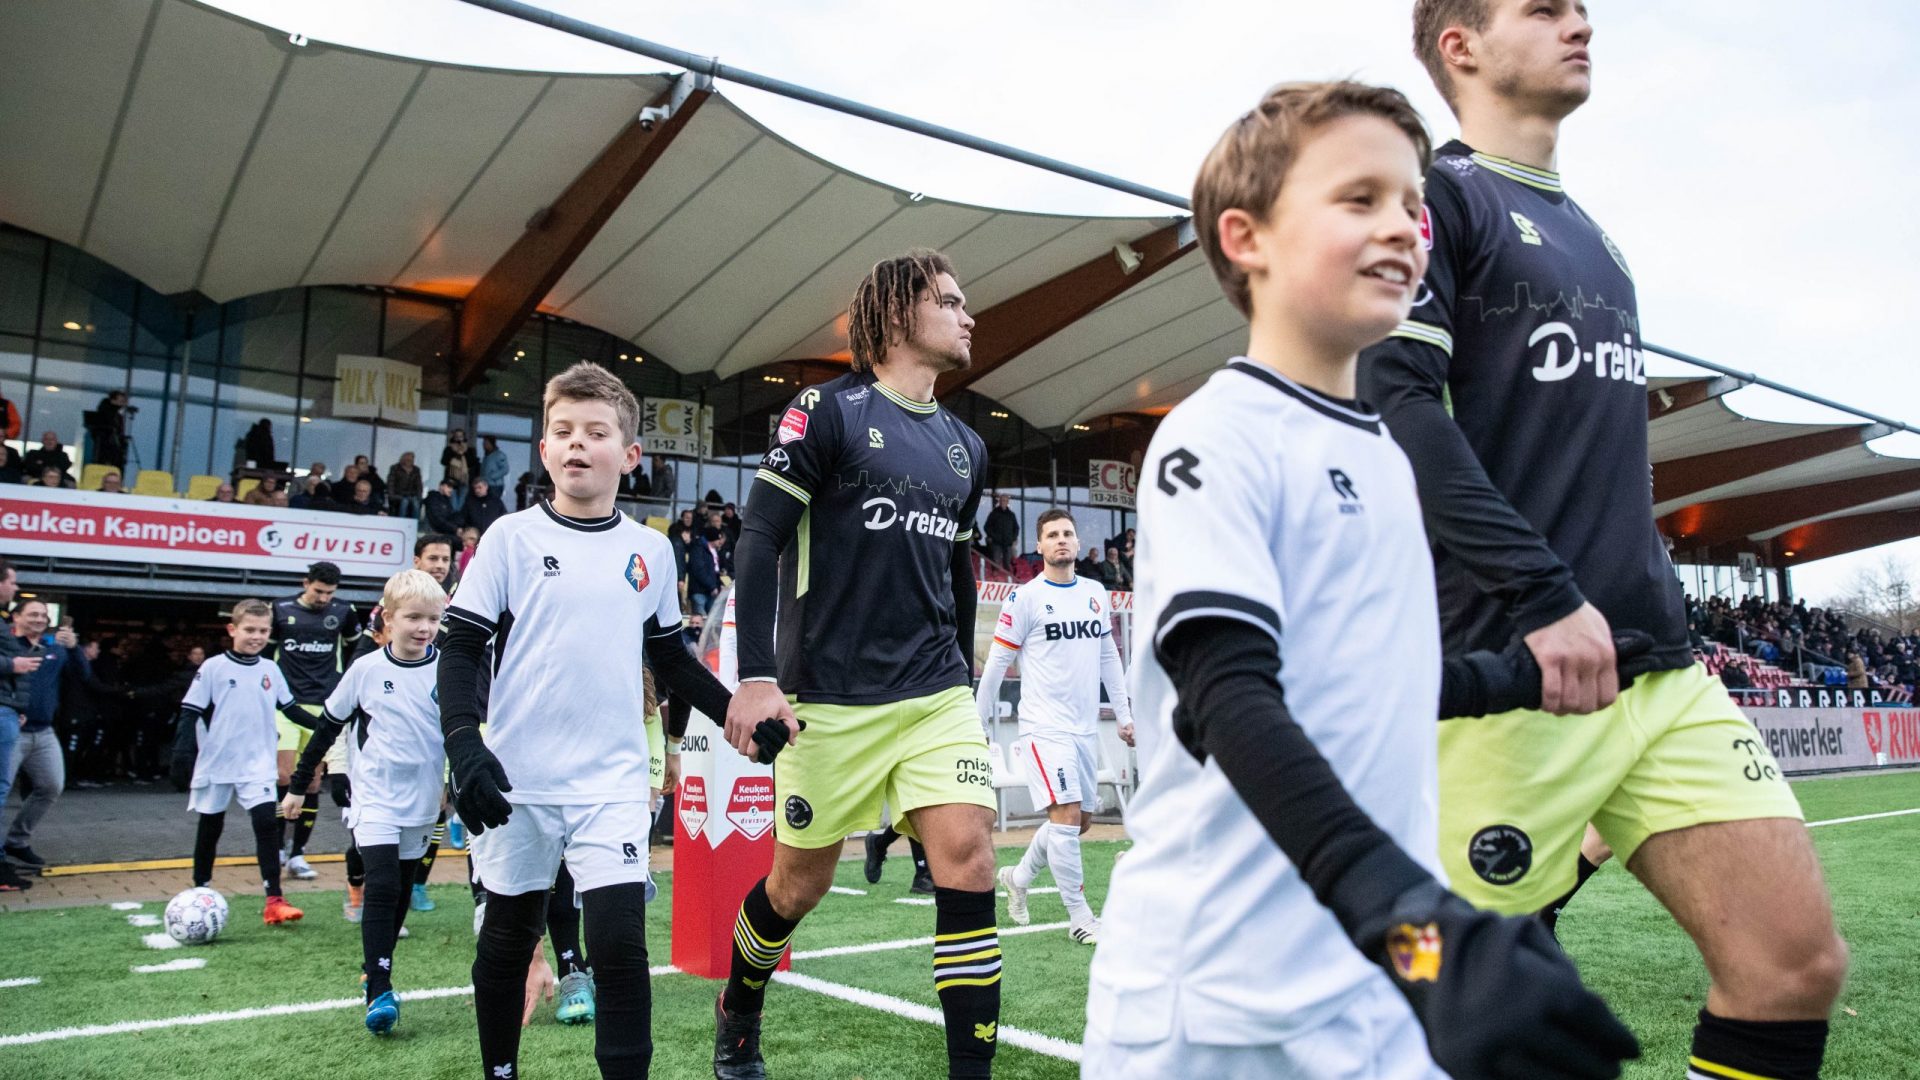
(280, 796)
(616, 917)
(563, 923)
(1726, 1049)
(409, 873)
(919, 857)
(760, 935)
(356, 864)
(433, 849)
(966, 975)
(378, 920)
(266, 845)
(303, 828)
(1551, 913)
(505, 947)
(206, 843)
(887, 836)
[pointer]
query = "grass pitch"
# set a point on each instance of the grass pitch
(1626, 946)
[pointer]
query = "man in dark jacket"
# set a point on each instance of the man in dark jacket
(49, 454)
(1003, 532)
(17, 666)
(484, 507)
(703, 570)
(441, 515)
(38, 757)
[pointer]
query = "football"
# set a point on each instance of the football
(197, 916)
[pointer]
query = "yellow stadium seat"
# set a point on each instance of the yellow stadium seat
(657, 523)
(240, 493)
(154, 482)
(202, 487)
(91, 476)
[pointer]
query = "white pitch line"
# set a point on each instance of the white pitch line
(844, 891)
(1025, 1040)
(143, 920)
(912, 943)
(158, 941)
(185, 963)
(126, 905)
(1862, 817)
(8, 984)
(916, 901)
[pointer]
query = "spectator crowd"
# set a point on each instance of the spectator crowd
(1819, 644)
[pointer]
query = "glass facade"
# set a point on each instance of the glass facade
(74, 329)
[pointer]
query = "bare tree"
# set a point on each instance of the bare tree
(1885, 594)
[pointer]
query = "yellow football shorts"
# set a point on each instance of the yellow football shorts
(292, 736)
(1518, 789)
(924, 751)
(656, 751)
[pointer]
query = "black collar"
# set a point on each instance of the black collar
(397, 662)
(247, 660)
(1353, 413)
(582, 524)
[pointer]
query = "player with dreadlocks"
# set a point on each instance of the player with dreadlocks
(856, 535)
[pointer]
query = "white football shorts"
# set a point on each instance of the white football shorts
(604, 844)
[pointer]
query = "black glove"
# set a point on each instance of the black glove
(772, 736)
(478, 782)
(1485, 683)
(1497, 997)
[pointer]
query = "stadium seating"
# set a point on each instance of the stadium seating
(202, 487)
(91, 476)
(154, 482)
(240, 493)
(657, 523)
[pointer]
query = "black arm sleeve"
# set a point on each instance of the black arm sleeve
(1232, 709)
(1465, 513)
(678, 713)
(684, 676)
(772, 517)
(299, 716)
(463, 656)
(186, 745)
(324, 734)
(966, 601)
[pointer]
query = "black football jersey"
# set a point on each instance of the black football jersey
(1527, 326)
(313, 647)
(890, 485)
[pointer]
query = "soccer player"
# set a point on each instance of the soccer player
(395, 765)
(313, 635)
(227, 734)
(1518, 387)
(1058, 626)
(856, 534)
(574, 597)
(1282, 912)
(432, 555)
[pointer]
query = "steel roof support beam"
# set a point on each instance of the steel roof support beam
(1709, 523)
(510, 291)
(1681, 477)
(1018, 323)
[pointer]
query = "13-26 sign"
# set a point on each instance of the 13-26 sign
(1111, 484)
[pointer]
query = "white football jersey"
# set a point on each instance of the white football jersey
(1062, 634)
(396, 757)
(1268, 503)
(241, 697)
(569, 603)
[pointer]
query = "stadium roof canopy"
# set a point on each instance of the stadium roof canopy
(206, 154)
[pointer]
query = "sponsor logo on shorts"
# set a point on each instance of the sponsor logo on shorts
(630, 853)
(1415, 952)
(1759, 764)
(799, 812)
(1501, 854)
(973, 771)
(1060, 778)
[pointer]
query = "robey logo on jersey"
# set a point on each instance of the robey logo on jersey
(882, 513)
(1619, 360)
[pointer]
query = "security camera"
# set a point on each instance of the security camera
(1128, 258)
(651, 115)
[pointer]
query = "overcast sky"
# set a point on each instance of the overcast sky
(1755, 160)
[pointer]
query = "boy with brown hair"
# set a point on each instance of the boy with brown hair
(1518, 386)
(228, 732)
(1282, 912)
(574, 597)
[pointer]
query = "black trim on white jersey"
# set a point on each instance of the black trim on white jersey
(249, 661)
(582, 524)
(1207, 604)
(1352, 413)
(397, 662)
(477, 620)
